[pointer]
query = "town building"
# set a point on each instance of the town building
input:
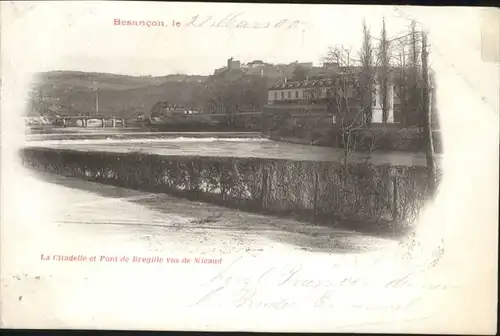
(320, 94)
(268, 70)
(256, 64)
(233, 68)
(230, 65)
(287, 92)
(294, 92)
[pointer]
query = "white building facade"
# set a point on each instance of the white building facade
(377, 99)
(287, 91)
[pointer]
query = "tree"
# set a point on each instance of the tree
(299, 73)
(158, 108)
(353, 93)
(414, 92)
(383, 73)
(427, 119)
(344, 99)
(402, 80)
(39, 105)
(231, 94)
(367, 73)
(409, 76)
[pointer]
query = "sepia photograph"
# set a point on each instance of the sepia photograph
(248, 167)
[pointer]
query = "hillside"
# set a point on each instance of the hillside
(69, 79)
(72, 92)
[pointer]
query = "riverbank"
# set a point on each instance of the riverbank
(108, 134)
(91, 219)
(376, 199)
(375, 140)
(299, 141)
(242, 145)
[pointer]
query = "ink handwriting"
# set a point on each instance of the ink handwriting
(235, 20)
(284, 286)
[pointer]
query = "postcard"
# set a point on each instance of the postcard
(249, 167)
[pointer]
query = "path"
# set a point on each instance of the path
(65, 216)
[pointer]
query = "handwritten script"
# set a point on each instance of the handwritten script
(236, 20)
(287, 286)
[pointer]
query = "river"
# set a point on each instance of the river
(234, 147)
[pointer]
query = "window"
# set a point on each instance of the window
(297, 94)
(275, 95)
(289, 94)
(282, 95)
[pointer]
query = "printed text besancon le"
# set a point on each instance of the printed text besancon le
(233, 20)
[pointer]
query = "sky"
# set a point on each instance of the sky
(82, 36)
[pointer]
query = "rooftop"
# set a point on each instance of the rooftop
(303, 84)
(256, 62)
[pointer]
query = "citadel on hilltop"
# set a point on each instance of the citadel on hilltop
(301, 86)
(261, 68)
(276, 72)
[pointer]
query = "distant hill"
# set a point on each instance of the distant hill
(107, 80)
(73, 92)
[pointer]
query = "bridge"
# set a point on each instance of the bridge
(92, 121)
(78, 121)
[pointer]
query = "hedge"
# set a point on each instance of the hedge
(361, 196)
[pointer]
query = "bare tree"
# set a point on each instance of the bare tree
(39, 105)
(414, 96)
(427, 122)
(344, 98)
(229, 95)
(401, 79)
(383, 73)
(367, 73)
(351, 97)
